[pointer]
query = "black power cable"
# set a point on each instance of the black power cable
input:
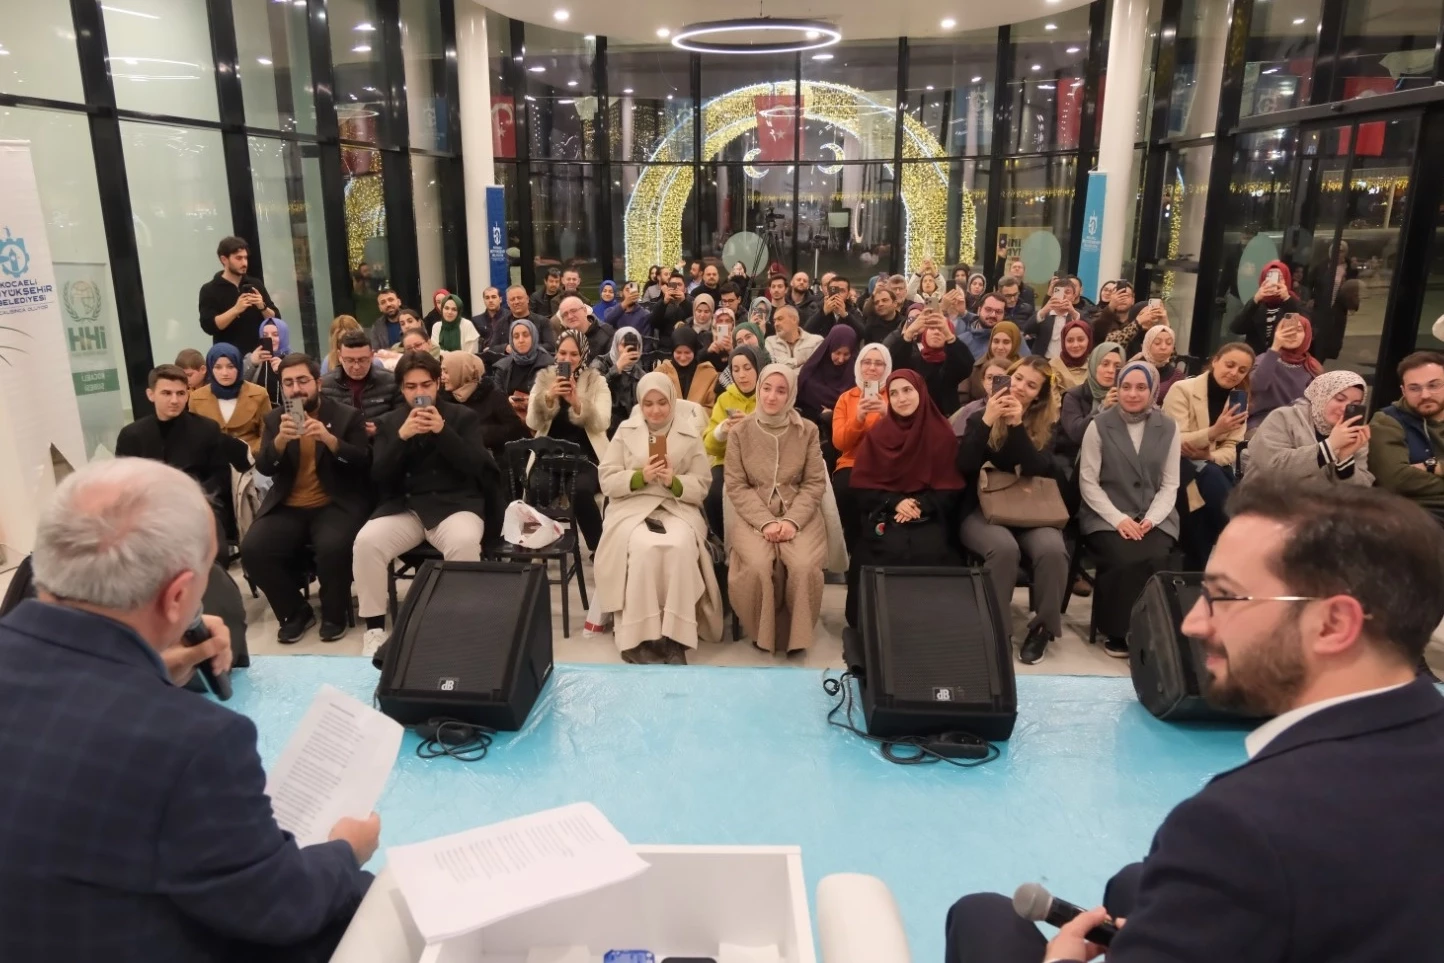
(459, 740)
(909, 750)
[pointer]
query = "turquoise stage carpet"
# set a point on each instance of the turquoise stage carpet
(745, 756)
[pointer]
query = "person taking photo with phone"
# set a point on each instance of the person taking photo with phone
(570, 401)
(1260, 314)
(233, 304)
(1284, 370)
(836, 307)
(927, 345)
(1322, 435)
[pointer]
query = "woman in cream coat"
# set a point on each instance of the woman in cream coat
(658, 588)
(776, 481)
(577, 409)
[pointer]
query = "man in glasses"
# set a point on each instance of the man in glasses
(1318, 603)
(316, 452)
(1406, 438)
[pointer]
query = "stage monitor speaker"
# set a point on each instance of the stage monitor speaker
(935, 657)
(473, 642)
(1168, 667)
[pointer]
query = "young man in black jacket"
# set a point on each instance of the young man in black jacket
(835, 308)
(435, 482)
(359, 382)
(233, 305)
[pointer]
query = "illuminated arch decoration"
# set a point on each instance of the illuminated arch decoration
(653, 222)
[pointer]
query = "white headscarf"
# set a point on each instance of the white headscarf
(1323, 388)
(886, 359)
(656, 381)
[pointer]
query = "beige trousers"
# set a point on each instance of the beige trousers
(457, 538)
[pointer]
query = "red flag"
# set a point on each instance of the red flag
(776, 126)
(503, 126)
(1371, 136)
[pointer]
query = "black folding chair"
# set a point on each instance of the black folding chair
(406, 566)
(543, 473)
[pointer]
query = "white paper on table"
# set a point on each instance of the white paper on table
(459, 883)
(335, 766)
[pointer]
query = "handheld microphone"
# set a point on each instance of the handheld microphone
(1032, 902)
(195, 634)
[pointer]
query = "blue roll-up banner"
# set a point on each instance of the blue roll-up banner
(1090, 251)
(496, 237)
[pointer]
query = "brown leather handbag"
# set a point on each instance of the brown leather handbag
(1018, 501)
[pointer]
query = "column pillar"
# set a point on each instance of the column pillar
(1127, 45)
(478, 162)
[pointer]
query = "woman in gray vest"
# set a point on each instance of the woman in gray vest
(1128, 474)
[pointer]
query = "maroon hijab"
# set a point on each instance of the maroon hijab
(909, 454)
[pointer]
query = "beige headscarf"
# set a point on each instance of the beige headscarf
(656, 381)
(463, 372)
(784, 417)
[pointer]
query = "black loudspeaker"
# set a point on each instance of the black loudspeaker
(934, 656)
(1168, 666)
(473, 642)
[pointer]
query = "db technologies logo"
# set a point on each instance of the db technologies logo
(447, 685)
(942, 694)
(14, 259)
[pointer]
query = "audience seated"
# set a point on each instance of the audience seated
(1015, 308)
(1284, 371)
(453, 330)
(653, 570)
(1158, 350)
(858, 409)
(977, 332)
(545, 300)
(882, 315)
(928, 346)
(826, 375)
(1070, 367)
(1211, 430)
(1005, 344)
(339, 326)
(1260, 314)
(319, 499)
(735, 403)
(977, 286)
(1081, 404)
(1115, 313)
(575, 316)
(668, 313)
(1044, 331)
(834, 309)
(701, 322)
(1406, 437)
(630, 312)
(905, 486)
(622, 367)
(521, 309)
(759, 315)
(791, 345)
(464, 382)
(1014, 433)
(433, 477)
(1311, 438)
(576, 408)
(775, 483)
(238, 407)
(262, 366)
(491, 319)
(516, 371)
(1142, 318)
(606, 300)
(359, 383)
(693, 377)
(386, 329)
(1128, 474)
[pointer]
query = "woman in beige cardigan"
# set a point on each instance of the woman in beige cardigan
(776, 480)
(577, 408)
(654, 572)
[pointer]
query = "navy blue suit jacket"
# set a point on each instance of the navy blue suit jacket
(134, 823)
(1323, 848)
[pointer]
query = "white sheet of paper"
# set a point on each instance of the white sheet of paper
(459, 883)
(336, 765)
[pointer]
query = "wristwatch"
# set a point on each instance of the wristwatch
(1432, 465)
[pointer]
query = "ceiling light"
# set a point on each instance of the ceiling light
(364, 28)
(561, 16)
(1298, 20)
(1073, 50)
(1272, 70)
(949, 23)
(663, 32)
(1050, 26)
(793, 35)
(626, 90)
(131, 13)
(977, 80)
(822, 56)
(571, 83)
(929, 87)
(590, 36)
(264, 61)
(564, 102)
(1037, 66)
(669, 96)
(361, 48)
(538, 69)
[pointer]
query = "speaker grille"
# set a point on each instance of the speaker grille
(936, 638)
(464, 633)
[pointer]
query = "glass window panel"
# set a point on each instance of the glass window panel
(366, 246)
(1202, 40)
(319, 254)
(160, 57)
(431, 225)
(181, 206)
(654, 217)
(560, 97)
(38, 56)
(423, 56)
(360, 78)
(292, 235)
(743, 100)
(1180, 236)
(1037, 210)
(275, 65)
(848, 102)
(950, 90)
(70, 201)
(753, 199)
(651, 103)
(563, 215)
(1433, 311)
(1046, 91)
(503, 99)
(1283, 39)
(1386, 45)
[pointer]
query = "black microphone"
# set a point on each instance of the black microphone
(1032, 902)
(195, 634)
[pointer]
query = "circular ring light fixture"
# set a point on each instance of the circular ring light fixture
(792, 35)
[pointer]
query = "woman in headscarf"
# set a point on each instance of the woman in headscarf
(1260, 314)
(826, 374)
(1098, 392)
(1158, 350)
(1005, 344)
(977, 287)
(434, 315)
(1312, 438)
(759, 313)
(1115, 313)
(622, 367)
(516, 372)
(928, 345)
(1014, 433)
(1128, 471)
(775, 481)
(237, 405)
(749, 335)
(858, 409)
(1142, 318)
(1070, 368)
(577, 408)
(463, 381)
(657, 587)
(693, 374)
(906, 486)
(1284, 371)
(339, 326)
(606, 300)
(454, 330)
(734, 404)
(263, 366)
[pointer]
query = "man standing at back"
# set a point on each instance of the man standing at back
(233, 304)
(136, 824)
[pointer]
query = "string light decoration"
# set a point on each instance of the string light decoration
(836, 151)
(747, 167)
(652, 229)
(365, 213)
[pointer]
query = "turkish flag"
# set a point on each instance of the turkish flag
(1070, 110)
(503, 127)
(1371, 135)
(776, 126)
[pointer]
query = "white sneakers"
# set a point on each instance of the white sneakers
(371, 641)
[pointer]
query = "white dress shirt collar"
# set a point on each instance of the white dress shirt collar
(1255, 741)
